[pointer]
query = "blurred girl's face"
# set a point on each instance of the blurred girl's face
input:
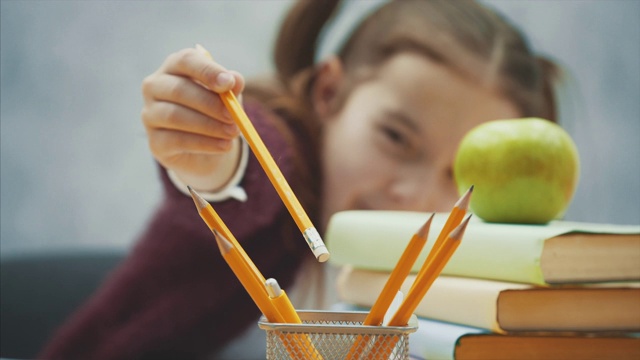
(392, 144)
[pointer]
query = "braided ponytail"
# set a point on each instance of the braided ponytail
(297, 40)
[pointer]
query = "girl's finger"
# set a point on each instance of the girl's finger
(172, 116)
(185, 92)
(239, 83)
(166, 143)
(194, 64)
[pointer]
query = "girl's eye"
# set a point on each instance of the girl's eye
(397, 142)
(395, 136)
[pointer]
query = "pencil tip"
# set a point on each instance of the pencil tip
(223, 244)
(463, 202)
(200, 202)
(458, 232)
(424, 230)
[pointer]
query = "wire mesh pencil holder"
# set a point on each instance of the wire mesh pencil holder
(328, 335)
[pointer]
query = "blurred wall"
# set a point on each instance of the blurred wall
(598, 43)
(75, 168)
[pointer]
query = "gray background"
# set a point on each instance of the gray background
(75, 167)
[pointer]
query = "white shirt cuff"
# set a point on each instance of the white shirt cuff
(232, 190)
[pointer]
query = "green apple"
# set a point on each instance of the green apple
(523, 170)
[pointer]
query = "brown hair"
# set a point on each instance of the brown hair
(464, 35)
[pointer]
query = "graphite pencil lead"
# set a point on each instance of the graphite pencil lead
(200, 202)
(458, 232)
(424, 230)
(223, 244)
(463, 202)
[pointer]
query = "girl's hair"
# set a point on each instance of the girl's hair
(464, 35)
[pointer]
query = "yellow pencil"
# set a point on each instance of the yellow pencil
(403, 267)
(255, 288)
(272, 170)
(398, 275)
(281, 302)
(215, 223)
(258, 294)
(421, 286)
(289, 315)
(434, 267)
(454, 219)
(392, 286)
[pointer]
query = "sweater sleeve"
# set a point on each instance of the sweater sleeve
(174, 296)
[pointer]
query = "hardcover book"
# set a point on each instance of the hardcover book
(509, 307)
(559, 252)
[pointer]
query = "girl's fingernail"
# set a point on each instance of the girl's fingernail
(224, 80)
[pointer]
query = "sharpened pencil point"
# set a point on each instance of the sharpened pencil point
(458, 232)
(200, 202)
(463, 202)
(223, 244)
(423, 232)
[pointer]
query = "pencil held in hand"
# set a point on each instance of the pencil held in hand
(272, 170)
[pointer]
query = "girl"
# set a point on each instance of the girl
(374, 126)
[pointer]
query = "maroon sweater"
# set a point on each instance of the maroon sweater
(175, 297)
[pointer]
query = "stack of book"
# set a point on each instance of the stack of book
(564, 290)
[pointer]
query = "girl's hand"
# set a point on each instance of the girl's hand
(190, 131)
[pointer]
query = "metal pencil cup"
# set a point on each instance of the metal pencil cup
(327, 335)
